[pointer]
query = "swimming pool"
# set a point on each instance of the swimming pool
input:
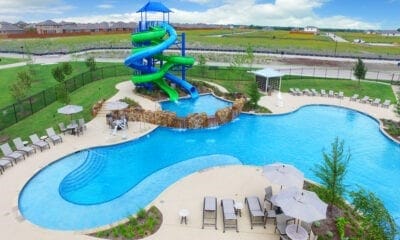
(205, 103)
(134, 173)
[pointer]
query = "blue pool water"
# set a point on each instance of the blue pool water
(205, 103)
(105, 184)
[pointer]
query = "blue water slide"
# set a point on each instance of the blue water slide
(135, 61)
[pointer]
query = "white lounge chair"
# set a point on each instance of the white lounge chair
(307, 92)
(7, 152)
(331, 93)
(19, 145)
(386, 103)
(4, 162)
(340, 95)
(314, 92)
(210, 212)
(53, 136)
(39, 143)
(354, 97)
(257, 216)
(292, 91)
(229, 215)
(323, 93)
(298, 92)
(365, 99)
(376, 102)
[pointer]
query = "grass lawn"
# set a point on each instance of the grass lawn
(43, 78)
(6, 60)
(370, 38)
(349, 87)
(86, 96)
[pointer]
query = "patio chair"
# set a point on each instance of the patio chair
(376, 102)
(364, 99)
(386, 103)
(281, 222)
(323, 93)
(331, 93)
(307, 227)
(354, 97)
(81, 123)
(63, 129)
(4, 162)
(229, 219)
(256, 212)
(19, 145)
(340, 95)
(268, 196)
(209, 212)
(53, 136)
(298, 92)
(314, 92)
(7, 152)
(39, 143)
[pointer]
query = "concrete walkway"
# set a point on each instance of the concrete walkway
(223, 182)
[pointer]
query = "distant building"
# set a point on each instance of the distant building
(9, 28)
(48, 27)
(390, 33)
(311, 29)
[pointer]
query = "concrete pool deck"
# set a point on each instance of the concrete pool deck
(234, 182)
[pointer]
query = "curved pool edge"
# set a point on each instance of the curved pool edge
(381, 127)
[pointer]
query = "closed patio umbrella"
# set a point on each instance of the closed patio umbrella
(285, 175)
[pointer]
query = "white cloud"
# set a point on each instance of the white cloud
(198, 1)
(105, 6)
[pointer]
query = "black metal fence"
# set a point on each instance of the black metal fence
(14, 113)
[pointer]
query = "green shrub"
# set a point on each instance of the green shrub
(141, 214)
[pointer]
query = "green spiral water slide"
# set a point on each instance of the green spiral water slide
(154, 45)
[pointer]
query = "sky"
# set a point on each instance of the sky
(345, 14)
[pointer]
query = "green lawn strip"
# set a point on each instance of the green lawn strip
(43, 79)
(349, 87)
(370, 38)
(7, 60)
(86, 96)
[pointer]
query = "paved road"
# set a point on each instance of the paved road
(336, 38)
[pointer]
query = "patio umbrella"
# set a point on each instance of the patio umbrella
(116, 105)
(285, 175)
(70, 109)
(301, 204)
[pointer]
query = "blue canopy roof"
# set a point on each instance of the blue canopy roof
(154, 7)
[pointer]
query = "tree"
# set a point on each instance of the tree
(25, 78)
(66, 68)
(377, 222)
(332, 172)
(250, 56)
(254, 95)
(91, 63)
(58, 74)
(202, 64)
(18, 90)
(360, 70)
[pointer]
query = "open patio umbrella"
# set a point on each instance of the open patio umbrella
(285, 175)
(301, 204)
(116, 105)
(70, 109)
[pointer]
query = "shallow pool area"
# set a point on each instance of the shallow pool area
(105, 184)
(207, 103)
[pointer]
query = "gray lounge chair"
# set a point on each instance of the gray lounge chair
(298, 92)
(7, 152)
(268, 195)
(4, 162)
(323, 93)
(314, 92)
(340, 95)
(307, 92)
(292, 91)
(354, 97)
(386, 103)
(39, 143)
(210, 212)
(376, 102)
(53, 136)
(19, 145)
(229, 215)
(331, 93)
(257, 216)
(365, 99)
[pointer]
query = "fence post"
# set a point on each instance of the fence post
(301, 74)
(326, 72)
(44, 98)
(337, 77)
(15, 113)
(391, 81)
(30, 103)
(377, 76)
(313, 74)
